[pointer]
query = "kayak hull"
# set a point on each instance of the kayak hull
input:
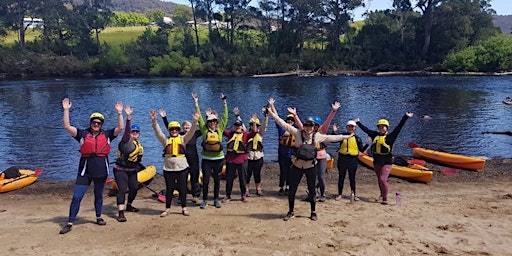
(453, 160)
(26, 179)
(420, 175)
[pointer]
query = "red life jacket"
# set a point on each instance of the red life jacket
(95, 146)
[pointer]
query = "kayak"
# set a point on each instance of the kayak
(142, 176)
(421, 175)
(27, 177)
(453, 160)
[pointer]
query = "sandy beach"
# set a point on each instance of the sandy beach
(466, 214)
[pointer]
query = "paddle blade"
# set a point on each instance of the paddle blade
(449, 172)
(413, 145)
(416, 161)
(38, 172)
(109, 180)
(161, 198)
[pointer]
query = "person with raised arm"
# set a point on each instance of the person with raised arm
(322, 128)
(382, 150)
(93, 165)
(128, 163)
(212, 153)
(304, 160)
(255, 151)
(175, 163)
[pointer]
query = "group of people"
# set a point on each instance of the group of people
(301, 151)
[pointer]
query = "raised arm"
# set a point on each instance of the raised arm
(163, 114)
(126, 135)
(156, 128)
(66, 105)
(290, 128)
(296, 118)
(325, 126)
(225, 113)
(191, 133)
(198, 110)
(120, 120)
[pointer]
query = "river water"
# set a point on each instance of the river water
(461, 108)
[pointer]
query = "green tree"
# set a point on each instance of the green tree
(12, 13)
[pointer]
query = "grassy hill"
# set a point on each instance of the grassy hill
(141, 6)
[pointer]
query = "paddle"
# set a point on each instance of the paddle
(36, 173)
(449, 172)
(160, 197)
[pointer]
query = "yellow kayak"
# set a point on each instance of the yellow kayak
(454, 160)
(421, 175)
(27, 177)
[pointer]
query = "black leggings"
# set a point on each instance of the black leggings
(295, 177)
(126, 180)
(207, 167)
(231, 169)
(176, 180)
(347, 163)
(254, 167)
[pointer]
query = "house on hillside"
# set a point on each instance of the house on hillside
(33, 23)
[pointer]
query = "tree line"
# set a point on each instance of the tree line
(241, 39)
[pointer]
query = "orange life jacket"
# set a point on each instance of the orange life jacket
(98, 145)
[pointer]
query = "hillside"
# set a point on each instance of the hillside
(141, 6)
(504, 22)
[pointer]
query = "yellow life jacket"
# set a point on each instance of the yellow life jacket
(131, 158)
(174, 148)
(349, 147)
(236, 144)
(287, 139)
(320, 145)
(211, 142)
(379, 146)
(255, 143)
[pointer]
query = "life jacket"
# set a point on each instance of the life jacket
(98, 145)
(174, 148)
(255, 143)
(236, 144)
(129, 154)
(379, 146)
(307, 152)
(320, 145)
(349, 146)
(287, 139)
(211, 142)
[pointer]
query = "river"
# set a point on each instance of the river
(461, 108)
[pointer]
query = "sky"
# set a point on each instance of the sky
(502, 7)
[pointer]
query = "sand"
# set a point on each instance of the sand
(466, 214)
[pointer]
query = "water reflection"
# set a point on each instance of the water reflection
(461, 108)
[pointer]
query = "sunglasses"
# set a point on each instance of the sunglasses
(309, 125)
(174, 129)
(96, 123)
(135, 131)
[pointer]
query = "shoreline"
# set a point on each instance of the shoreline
(466, 214)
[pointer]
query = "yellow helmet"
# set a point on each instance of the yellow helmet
(97, 115)
(255, 121)
(174, 124)
(290, 117)
(383, 122)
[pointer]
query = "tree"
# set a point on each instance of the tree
(12, 13)
(336, 15)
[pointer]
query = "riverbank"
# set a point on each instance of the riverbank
(465, 214)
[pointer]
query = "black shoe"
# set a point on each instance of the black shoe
(130, 208)
(101, 222)
(66, 229)
(313, 216)
(286, 191)
(281, 192)
(289, 216)
(121, 218)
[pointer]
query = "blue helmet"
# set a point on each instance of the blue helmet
(135, 127)
(317, 120)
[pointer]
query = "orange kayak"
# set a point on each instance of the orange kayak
(27, 177)
(453, 160)
(421, 175)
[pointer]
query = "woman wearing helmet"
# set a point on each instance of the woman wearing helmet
(191, 155)
(93, 165)
(382, 149)
(322, 128)
(212, 154)
(175, 166)
(304, 161)
(129, 156)
(255, 151)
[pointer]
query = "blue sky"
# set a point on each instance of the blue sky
(502, 7)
